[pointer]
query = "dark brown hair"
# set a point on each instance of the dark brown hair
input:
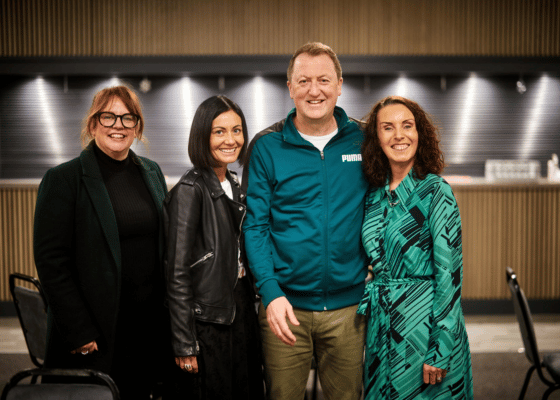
(102, 99)
(428, 158)
(315, 49)
(201, 129)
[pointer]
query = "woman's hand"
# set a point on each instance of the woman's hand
(433, 375)
(187, 364)
(86, 349)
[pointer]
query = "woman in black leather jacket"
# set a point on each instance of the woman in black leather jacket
(215, 334)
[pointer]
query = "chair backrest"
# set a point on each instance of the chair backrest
(92, 385)
(524, 318)
(31, 308)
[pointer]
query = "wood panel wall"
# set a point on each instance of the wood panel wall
(510, 226)
(502, 226)
(271, 27)
(17, 206)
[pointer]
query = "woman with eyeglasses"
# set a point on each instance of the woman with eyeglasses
(98, 245)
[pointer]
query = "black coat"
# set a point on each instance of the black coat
(78, 260)
(203, 228)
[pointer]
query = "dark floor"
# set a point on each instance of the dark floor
(496, 376)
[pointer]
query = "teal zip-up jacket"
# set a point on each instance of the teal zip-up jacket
(304, 216)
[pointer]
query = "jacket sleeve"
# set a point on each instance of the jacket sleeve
(445, 228)
(257, 227)
(53, 239)
(182, 210)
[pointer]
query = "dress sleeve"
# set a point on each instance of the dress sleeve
(257, 228)
(182, 210)
(53, 238)
(445, 229)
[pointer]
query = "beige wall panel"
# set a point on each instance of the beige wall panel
(16, 235)
(516, 227)
(210, 27)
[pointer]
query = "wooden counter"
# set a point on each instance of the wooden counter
(512, 224)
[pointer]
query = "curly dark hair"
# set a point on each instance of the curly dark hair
(428, 159)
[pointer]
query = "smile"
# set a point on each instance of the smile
(400, 147)
(116, 136)
(315, 101)
(229, 151)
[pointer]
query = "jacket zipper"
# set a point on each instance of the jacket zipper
(238, 254)
(326, 230)
(206, 257)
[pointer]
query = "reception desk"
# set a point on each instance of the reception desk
(504, 224)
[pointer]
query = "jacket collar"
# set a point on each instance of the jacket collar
(214, 185)
(90, 167)
(93, 181)
(405, 188)
(291, 134)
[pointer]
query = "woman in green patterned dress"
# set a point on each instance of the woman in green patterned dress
(416, 343)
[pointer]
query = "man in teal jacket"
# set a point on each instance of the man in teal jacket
(304, 215)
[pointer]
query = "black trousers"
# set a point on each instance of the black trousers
(230, 362)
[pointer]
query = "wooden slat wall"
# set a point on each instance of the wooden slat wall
(247, 27)
(515, 226)
(17, 207)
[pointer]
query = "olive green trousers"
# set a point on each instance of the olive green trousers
(336, 340)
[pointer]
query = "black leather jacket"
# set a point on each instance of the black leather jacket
(203, 232)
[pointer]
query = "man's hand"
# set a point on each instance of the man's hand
(276, 313)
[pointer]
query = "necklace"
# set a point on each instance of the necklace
(392, 196)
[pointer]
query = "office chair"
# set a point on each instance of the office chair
(550, 361)
(31, 307)
(93, 385)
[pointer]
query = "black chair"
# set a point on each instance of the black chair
(550, 361)
(31, 307)
(79, 384)
(93, 385)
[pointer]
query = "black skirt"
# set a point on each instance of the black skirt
(229, 361)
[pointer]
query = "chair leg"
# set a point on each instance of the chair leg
(549, 391)
(314, 392)
(526, 383)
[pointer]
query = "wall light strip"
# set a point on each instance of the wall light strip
(258, 96)
(53, 138)
(535, 120)
(464, 128)
(187, 98)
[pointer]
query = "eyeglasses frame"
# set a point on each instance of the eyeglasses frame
(98, 115)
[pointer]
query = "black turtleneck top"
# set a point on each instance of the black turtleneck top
(138, 224)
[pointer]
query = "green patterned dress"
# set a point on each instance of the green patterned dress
(413, 303)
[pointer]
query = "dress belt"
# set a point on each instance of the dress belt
(377, 303)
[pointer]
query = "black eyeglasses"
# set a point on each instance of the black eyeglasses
(108, 119)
